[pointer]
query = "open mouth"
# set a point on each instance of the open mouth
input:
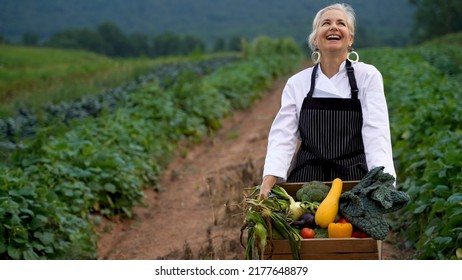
(333, 37)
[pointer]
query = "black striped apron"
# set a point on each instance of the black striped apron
(331, 139)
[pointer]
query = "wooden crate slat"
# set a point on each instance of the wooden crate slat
(326, 256)
(341, 245)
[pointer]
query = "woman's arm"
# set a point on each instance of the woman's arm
(267, 184)
(282, 138)
(376, 125)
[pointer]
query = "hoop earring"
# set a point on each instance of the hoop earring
(352, 52)
(316, 56)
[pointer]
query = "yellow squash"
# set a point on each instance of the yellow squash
(328, 208)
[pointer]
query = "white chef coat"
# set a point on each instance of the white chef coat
(284, 136)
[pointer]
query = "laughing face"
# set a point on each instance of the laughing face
(333, 34)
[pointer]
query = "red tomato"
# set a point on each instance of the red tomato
(342, 220)
(359, 234)
(307, 233)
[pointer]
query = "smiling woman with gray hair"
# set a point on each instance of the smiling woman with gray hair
(335, 112)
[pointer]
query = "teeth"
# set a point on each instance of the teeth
(335, 37)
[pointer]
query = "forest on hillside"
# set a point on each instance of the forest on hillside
(379, 23)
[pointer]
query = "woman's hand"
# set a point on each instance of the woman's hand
(266, 186)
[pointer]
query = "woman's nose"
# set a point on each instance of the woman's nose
(333, 27)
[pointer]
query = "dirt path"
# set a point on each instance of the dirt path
(198, 214)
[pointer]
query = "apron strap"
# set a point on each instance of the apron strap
(352, 79)
(313, 80)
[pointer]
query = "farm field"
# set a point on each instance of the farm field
(222, 166)
(32, 77)
(101, 182)
(208, 182)
(73, 164)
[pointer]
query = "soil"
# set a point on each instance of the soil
(198, 213)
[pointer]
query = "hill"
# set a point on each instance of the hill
(379, 22)
(32, 77)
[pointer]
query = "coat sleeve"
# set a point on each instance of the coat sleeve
(376, 126)
(283, 135)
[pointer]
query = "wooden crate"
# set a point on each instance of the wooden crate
(327, 248)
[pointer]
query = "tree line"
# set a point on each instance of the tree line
(108, 39)
(434, 18)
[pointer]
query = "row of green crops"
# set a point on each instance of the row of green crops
(55, 184)
(424, 90)
(26, 122)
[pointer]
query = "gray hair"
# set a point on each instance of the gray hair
(350, 15)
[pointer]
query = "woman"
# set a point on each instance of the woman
(337, 109)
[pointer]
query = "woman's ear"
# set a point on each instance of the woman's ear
(352, 39)
(315, 44)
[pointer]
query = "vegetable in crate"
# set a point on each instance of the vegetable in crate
(257, 234)
(307, 233)
(306, 221)
(365, 204)
(328, 209)
(296, 210)
(359, 234)
(314, 191)
(340, 230)
(266, 219)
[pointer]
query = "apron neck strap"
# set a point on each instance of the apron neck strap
(313, 79)
(351, 78)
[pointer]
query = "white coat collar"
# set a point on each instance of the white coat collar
(326, 86)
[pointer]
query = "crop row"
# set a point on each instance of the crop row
(26, 122)
(57, 185)
(423, 94)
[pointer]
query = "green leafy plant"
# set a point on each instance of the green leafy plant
(425, 117)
